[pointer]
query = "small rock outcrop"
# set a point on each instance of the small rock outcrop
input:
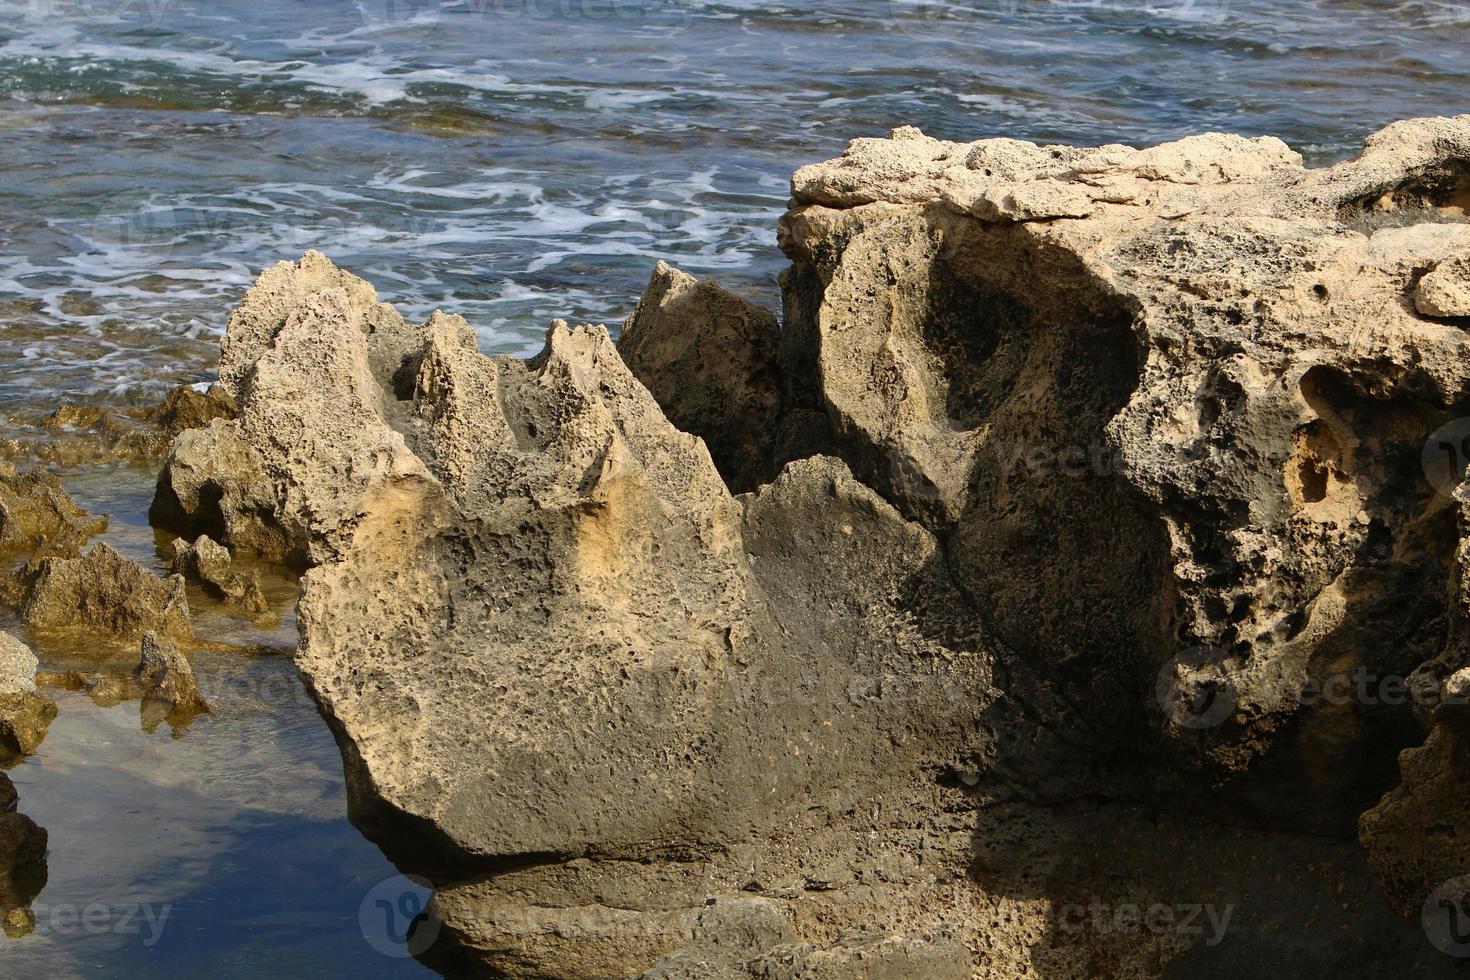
(75, 435)
(165, 682)
(210, 565)
(104, 592)
(1072, 492)
(22, 864)
(25, 710)
(37, 515)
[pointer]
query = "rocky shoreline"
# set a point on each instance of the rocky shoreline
(1086, 533)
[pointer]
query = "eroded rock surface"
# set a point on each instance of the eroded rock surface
(712, 361)
(211, 565)
(105, 593)
(1117, 456)
(25, 711)
(1445, 289)
(38, 515)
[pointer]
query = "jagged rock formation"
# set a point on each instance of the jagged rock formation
(166, 685)
(105, 593)
(38, 515)
(1076, 477)
(210, 564)
(712, 362)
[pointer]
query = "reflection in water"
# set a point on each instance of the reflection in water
(217, 847)
(22, 864)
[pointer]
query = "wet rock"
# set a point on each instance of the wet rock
(166, 685)
(710, 359)
(105, 593)
(25, 710)
(1445, 290)
(186, 408)
(79, 434)
(7, 794)
(21, 841)
(210, 564)
(37, 515)
(22, 871)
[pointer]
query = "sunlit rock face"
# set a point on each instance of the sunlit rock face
(1067, 483)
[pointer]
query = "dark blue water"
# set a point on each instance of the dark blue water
(512, 160)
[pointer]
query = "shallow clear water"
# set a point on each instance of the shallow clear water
(221, 849)
(512, 160)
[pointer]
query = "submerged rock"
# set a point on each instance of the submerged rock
(22, 864)
(210, 564)
(25, 710)
(105, 593)
(1122, 458)
(74, 435)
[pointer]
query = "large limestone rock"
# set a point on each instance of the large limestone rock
(540, 537)
(1123, 461)
(1184, 415)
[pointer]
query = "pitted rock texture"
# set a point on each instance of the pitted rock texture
(1113, 458)
(1445, 289)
